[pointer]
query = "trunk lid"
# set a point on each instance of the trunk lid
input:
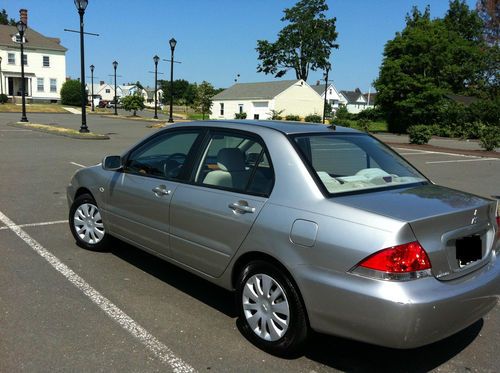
(456, 229)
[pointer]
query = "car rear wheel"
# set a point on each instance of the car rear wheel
(86, 223)
(272, 315)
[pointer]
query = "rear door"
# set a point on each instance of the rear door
(138, 197)
(211, 217)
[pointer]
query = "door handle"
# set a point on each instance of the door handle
(161, 190)
(241, 207)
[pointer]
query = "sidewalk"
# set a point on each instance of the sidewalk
(440, 143)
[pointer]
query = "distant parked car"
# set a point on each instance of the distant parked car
(314, 227)
(103, 103)
(111, 104)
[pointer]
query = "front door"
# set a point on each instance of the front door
(211, 217)
(138, 197)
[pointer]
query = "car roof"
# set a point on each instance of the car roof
(288, 128)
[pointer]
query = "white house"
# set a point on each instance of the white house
(257, 100)
(333, 97)
(149, 96)
(355, 101)
(44, 65)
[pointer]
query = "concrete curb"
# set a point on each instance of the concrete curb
(59, 131)
(440, 149)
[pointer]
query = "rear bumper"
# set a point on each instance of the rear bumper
(397, 314)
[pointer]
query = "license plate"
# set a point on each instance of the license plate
(468, 249)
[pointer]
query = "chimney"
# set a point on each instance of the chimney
(101, 82)
(23, 16)
(317, 82)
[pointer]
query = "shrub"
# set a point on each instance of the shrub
(133, 103)
(240, 115)
(313, 118)
(419, 134)
(276, 114)
(292, 117)
(363, 125)
(489, 138)
(342, 113)
(345, 122)
(3, 98)
(71, 93)
(373, 114)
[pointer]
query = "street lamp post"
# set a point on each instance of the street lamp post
(115, 65)
(326, 91)
(81, 5)
(92, 86)
(172, 43)
(1, 77)
(156, 59)
(21, 27)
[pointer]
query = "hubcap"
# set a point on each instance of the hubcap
(88, 223)
(266, 307)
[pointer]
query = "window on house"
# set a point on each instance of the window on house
(46, 61)
(330, 91)
(240, 107)
(108, 90)
(221, 108)
(256, 116)
(12, 59)
(53, 85)
(25, 59)
(39, 85)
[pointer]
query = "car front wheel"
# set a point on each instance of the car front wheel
(272, 315)
(86, 223)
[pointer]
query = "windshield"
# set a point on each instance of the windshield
(353, 162)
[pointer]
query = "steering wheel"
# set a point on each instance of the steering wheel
(179, 157)
(173, 164)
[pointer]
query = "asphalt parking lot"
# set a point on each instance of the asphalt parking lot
(66, 309)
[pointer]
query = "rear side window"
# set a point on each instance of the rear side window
(163, 156)
(236, 162)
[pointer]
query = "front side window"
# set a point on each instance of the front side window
(236, 162)
(39, 84)
(349, 163)
(53, 85)
(163, 156)
(46, 61)
(11, 59)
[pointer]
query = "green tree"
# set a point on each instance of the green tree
(133, 103)
(304, 44)
(183, 91)
(203, 100)
(5, 20)
(71, 93)
(429, 58)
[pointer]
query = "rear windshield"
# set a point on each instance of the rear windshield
(351, 162)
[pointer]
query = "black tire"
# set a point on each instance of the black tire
(101, 243)
(296, 333)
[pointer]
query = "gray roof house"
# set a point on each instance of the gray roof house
(259, 100)
(44, 64)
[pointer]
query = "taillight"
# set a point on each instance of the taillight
(402, 262)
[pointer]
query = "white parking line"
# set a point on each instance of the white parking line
(465, 160)
(126, 322)
(78, 164)
(432, 152)
(37, 224)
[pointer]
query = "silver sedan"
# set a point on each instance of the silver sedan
(314, 227)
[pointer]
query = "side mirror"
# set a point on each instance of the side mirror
(112, 163)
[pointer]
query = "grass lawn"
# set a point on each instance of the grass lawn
(196, 116)
(32, 108)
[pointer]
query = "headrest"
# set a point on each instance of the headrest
(231, 159)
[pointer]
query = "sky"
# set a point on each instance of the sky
(216, 39)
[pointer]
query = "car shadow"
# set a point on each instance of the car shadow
(216, 297)
(351, 356)
(335, 352)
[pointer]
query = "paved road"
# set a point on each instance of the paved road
(56, 311)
